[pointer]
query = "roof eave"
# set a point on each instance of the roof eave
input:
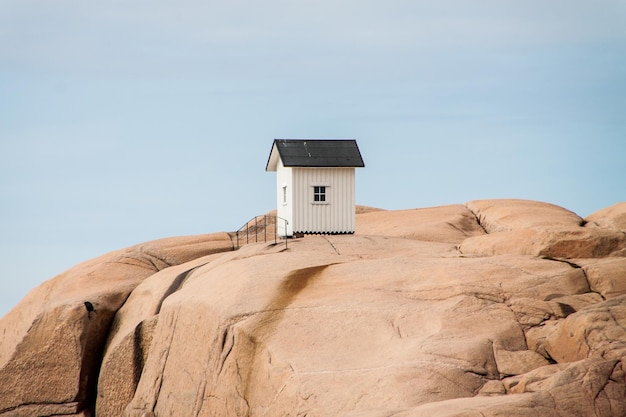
(322, 166)
(272, 160)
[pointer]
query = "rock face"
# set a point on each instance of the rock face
(52, 342)
(492, 308)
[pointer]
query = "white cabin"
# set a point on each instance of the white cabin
(315, 184)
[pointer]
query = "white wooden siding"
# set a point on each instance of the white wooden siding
(284, 210)
(336, 214)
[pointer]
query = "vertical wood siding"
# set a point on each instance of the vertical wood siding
(284, 177)
(337, 215)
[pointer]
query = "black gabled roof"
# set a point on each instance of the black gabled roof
(315, 153)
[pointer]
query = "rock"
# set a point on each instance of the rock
(486, 406)
(365, 209)
(332, 320)
(536, 337)
(264, 357)
(564, 306)
(606, 276)
(588, 388)
(492, 387)
(595, 331)
(536, 380)
(517, 362)
(420, 313)
(531, 312)
(554, 243)
(524, 227)
(52, 342)
(449, 224)
(597, 380)
(613, 217)
(512, 214)
(121, 369)
(131, 333)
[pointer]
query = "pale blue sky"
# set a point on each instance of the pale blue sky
(126, 121)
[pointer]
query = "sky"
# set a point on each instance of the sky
(127, 121)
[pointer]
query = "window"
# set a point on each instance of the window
(285, 194)
(319, 194)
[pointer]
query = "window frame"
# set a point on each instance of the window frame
(320, 194)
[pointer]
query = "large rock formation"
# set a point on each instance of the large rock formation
(492, 308)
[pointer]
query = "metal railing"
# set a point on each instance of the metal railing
(260, 229)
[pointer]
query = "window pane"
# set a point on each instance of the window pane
(319, 193)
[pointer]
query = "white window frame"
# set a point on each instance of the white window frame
(316, 191)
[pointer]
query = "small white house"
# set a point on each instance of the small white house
(315, 184)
